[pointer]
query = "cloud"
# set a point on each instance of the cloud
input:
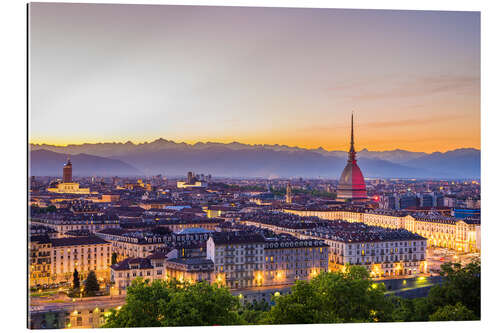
(386, 124)
(411, 121)
(422, 87)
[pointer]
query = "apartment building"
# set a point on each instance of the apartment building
(40, 251)
(288, 259)
(84, 254)
(130, 243)
(383, 252)
(238, 259)
(63, 223)
(462, 235)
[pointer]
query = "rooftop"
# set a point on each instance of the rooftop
(141, 263)
(234, 238)
(74, 241)
(188, 231)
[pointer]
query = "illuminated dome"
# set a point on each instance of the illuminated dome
(351, 183)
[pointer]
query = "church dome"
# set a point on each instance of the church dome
(351, 183)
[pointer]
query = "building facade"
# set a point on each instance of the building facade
(238, 259)
(123, 273)
(459, 235)
(131, 244)
(63, 224)
(288, 259)
(40, 252)
(84, 254)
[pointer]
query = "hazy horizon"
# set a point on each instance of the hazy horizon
(229, 142)
(287, 76)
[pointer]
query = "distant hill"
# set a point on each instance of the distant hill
(239, 160)
(48, 163)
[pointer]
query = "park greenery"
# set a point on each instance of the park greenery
(279, 192)
(90, 285)
(333, 297)
(49, 209)
(312, 192)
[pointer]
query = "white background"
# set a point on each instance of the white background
(14, 163)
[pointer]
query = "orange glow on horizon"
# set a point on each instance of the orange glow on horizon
(440, 145)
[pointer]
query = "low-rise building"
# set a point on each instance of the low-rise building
(124, 272)
(195, 269)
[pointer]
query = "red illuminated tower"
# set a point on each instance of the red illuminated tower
(68, 172)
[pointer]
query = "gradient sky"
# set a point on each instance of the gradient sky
(103, 73)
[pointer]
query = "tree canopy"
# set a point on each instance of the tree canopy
(453, 312)
(460, 285)
(173, 303)
(457, 297)
(333, 298)
(76, 280)
(91, 286)
(339, 297)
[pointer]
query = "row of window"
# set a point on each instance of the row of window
(140, 273)
(387, 258)
(295, 258)
(81, 249)
(386, 245)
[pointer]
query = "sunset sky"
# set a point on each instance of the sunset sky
(103, 73)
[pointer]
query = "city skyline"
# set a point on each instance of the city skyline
(279, 76)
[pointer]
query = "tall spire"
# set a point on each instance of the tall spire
(352, 152)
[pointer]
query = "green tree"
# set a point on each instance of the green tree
(76, 280)
(460, 285)
(200, 304)
(333, 297)
(457, 312)
(255, 312)
(142, 305)
(417, 309)
(91, 285)
(114, 257)
(75, 290)
(172, 303)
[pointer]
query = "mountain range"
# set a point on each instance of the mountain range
(242, 160)
(48, 163)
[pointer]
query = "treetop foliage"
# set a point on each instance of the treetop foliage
(339, 297)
